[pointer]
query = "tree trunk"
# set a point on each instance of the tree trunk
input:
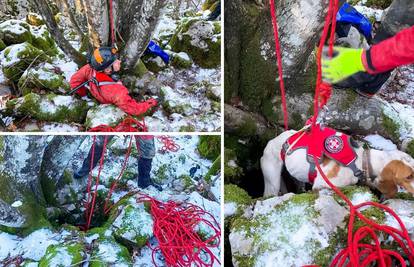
(72, 19)
(142, 17)
(250, 64)
(98, 22)
(134, 20)
(53, 27)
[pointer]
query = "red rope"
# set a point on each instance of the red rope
(127, 125)
(175, 227)
(111, 22)
(357, 254)
(107, 208)
(279, 62)
(90, 204)
(362, 254)
(169, 144)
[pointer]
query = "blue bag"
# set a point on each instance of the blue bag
(347, 15)
(155, 49)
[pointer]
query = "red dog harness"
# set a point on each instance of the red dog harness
(320, 142)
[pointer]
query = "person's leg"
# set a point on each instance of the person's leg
(86, 166)
(146, 149)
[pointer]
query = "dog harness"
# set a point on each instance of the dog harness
(323, 141)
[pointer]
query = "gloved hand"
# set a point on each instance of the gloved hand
(151, 102)
(344, 63)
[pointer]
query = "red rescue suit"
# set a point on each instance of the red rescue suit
(391, 53)
(107, 91)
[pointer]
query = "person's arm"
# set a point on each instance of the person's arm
(125, 102)
(81, 76)
(384, 56)
(391, 53)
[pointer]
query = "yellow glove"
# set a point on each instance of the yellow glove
(344, 63)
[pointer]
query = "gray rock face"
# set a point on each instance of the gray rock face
(21, 195)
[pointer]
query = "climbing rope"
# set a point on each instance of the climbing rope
(107, 206)
(111, 23)
(168, 144)
(127, 125)
(357, 254)
(279, 62)
(177, 228)
(364, 254)
(90, 203)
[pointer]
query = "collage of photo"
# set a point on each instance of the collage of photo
(206, 133)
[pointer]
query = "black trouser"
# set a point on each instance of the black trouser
(144, 161)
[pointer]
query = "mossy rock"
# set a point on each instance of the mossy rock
(104, 114)
(172, 104)
(154, 64)
(62, 255)
(16, 58)
(232, 172)
(181, 60)
(235, 194)
(34, 19)
(133, 227)
(200, 40)
(214, 169)
(2, 45)
(383, 4)
(209, 4)
(107, 252)
(214, 93)
(43, 40)
(51, 108)
(410, 148)
(15, 32)
(42, 77)
(140, 69)
(209, 146)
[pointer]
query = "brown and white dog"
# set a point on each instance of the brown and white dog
(391, 168)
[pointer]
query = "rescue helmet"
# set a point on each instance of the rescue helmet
(102, 58)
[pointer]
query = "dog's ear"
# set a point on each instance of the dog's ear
(388, 180)
(402, 170)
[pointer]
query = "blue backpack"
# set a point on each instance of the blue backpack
(347, 15)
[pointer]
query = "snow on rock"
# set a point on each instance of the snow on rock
(379, 142)
(15, 32)
(230, 209)
(280, 228)
(32, 247)
(405, 210)
(105, 114)
(131, 225)
(370, 12)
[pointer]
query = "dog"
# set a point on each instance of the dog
(391, 169)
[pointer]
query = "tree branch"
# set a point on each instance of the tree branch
(53, 27)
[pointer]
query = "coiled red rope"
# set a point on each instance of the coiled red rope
(176, 227)
(360, 254)
(357, 254)
(127, 125)
(168, 144)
